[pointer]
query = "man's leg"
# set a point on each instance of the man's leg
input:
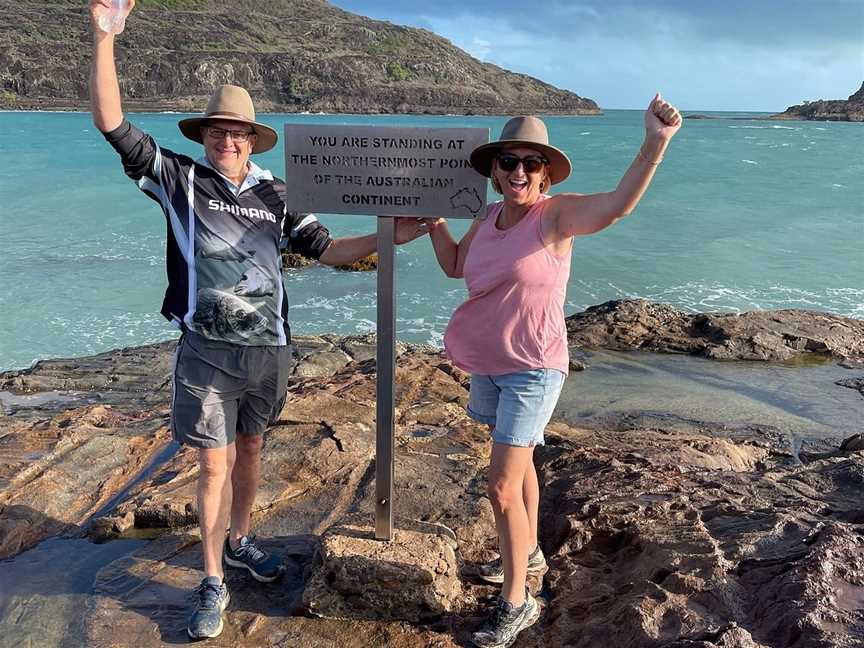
(268, 372)
(245, 479)
(214, 503)
(204, 416)
(507, 475)
(240, 550)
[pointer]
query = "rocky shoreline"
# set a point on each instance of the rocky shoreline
(658, 535)
(850, 109)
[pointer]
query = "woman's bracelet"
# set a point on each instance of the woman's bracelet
(649, 161)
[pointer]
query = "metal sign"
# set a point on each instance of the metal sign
(383, 170)
(387, 172)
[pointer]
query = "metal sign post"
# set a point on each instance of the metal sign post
(386, 374)
(388, 172)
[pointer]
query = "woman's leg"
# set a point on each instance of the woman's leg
(531, 498)
(507, 476)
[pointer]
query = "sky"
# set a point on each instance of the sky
(758, 55)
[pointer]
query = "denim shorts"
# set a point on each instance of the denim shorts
(518, 405)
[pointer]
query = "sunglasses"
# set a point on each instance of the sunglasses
(532, 163)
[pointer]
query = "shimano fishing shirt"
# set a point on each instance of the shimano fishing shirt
(223, 247)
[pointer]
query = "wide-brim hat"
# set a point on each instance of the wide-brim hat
(528, 132)
(232, 103)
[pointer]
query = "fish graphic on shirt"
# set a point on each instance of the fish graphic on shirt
(254, 283)
(222, 315)
(222, 251)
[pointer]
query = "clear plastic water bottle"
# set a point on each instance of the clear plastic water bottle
(114, 20)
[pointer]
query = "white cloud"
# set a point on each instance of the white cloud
(479, 48)
(702, 56)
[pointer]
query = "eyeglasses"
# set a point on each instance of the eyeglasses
(236, 135)
(531, 163)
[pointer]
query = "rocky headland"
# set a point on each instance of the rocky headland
(292, 55)
(779, 335)
(678, 536)
(851, 109)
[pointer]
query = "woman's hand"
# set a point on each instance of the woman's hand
(662, 119)
(432, 223)
(577, 215)
(409, 228)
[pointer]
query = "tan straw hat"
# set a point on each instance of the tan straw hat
(232, 103)
(528, 132)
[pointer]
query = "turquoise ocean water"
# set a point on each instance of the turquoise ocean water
(743, 214)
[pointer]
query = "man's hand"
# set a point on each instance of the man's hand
(99, 7)
(104, 88)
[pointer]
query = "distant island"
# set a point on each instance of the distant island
(292, 55)
(851, 109)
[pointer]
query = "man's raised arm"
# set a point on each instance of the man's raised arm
(104, 88)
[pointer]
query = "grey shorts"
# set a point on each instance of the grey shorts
(223, 389)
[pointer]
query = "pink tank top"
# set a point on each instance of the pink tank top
(513, 319)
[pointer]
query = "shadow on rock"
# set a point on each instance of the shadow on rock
(157, 583)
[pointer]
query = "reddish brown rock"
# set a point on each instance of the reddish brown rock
(322, 448)
(653, 544)
(759, 335)
(147, 595)
(657, 535)
(93, 453)
(414, 577)
(143, 370)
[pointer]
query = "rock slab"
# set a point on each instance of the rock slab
(415, 577)
(772, 336)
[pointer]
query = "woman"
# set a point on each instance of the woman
(510, 334)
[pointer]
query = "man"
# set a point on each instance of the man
(226, 217)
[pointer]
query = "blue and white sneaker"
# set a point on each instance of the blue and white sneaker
(211, 600)
(263, 566)
(493, 571)
(506, 622)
